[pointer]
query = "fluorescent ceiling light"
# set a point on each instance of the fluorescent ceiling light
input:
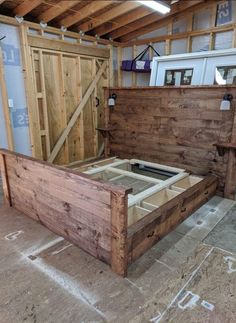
(158, 6)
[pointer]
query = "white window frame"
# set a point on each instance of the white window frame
(202, 64)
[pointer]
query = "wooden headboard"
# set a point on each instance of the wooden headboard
(175, 126)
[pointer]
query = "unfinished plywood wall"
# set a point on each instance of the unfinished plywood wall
(173, 126)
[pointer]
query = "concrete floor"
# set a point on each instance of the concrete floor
(189, 276)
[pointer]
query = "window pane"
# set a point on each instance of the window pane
(225, 75)
(179, 77)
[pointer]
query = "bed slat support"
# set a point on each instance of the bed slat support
(143, 234)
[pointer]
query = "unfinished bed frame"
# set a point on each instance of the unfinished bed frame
(115, 210)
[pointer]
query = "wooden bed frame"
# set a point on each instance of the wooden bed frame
(114, 223)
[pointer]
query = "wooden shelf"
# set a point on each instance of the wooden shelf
(105, 132)
(227, 145)
(223, 147)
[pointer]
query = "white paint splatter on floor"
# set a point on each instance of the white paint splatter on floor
(56, 252)
(159, 317)
(192, 300)
(35, 252)
(13, 235)
(231, 261)
(207, 305)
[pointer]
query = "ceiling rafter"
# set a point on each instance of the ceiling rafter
(123, 20)
(137, 24)
(176, 9)
(84, 12)
(26, 6)
(57, 10)
(109, 15)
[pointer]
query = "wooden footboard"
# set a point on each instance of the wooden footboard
(102, 218)
(90, 214)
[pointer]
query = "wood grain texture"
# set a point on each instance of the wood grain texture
(68, 203)
(5, 107)
(153, 227)
(119, 223)
(5, 182)
(173, 126)
(60, 45)
(60, 84)
(230, 180)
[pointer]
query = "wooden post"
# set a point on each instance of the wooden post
(94, 110)
(111, 70)
(119, 61)
(7, 118)
(150, 51)
(134, 75)
(63, 122)
(29, 79)
(5, 183)
(234, 38)
(189, 30)
(119, 223)
(107, 118)
(81, 118)
(212, 41)
(213, 21)
(44, 103)
(229, 190)
(168, 41)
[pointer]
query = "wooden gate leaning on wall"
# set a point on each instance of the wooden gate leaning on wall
(67, 103)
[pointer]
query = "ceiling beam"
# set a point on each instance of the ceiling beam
(177, 9)
(26, 6)
(133, 15)
(137, 24)
(109, 15)
(57, 10)
(84, 12)
(1, 1)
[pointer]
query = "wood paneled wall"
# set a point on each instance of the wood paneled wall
(173, 126)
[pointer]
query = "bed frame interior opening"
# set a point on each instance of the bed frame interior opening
(152, 184)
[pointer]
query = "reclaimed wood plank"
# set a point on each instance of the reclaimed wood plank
(177, 126)
(68, 203)
(119, 223)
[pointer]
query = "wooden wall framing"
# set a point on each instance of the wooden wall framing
(59, 76)
(88, 54)
(6, 111)
(188, 16)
